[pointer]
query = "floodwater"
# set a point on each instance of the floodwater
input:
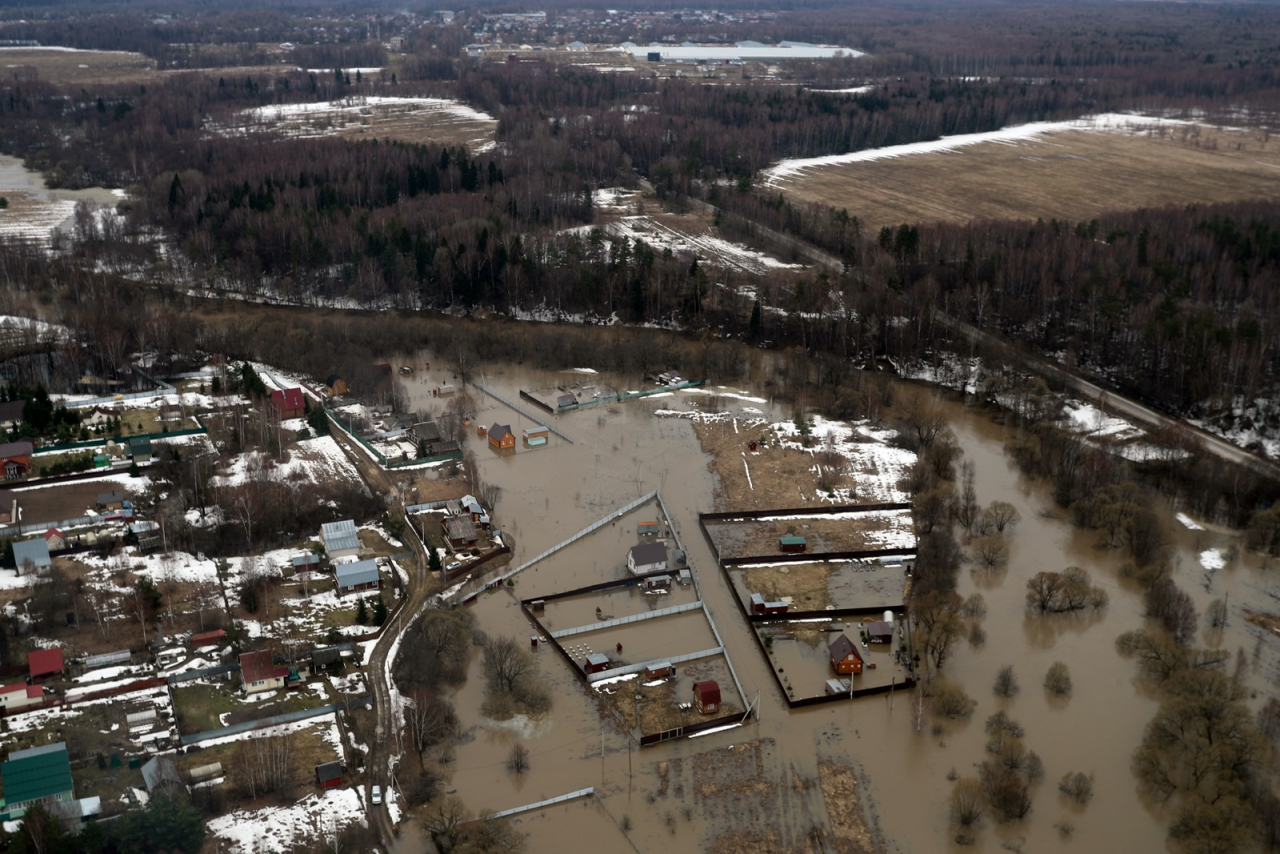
(34, 210)
(621, 452)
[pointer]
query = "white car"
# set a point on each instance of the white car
(375, 795)
(453, 565)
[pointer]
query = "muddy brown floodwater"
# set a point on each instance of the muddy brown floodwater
(757, 787)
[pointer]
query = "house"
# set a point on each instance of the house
(138, 449)
(170, 412)
(99, 416)
(340, 539)
(647, 557)
(289, 403)
(565, 401)
(595, 662)
(460, 531)
(160, 772)
(309, 562)
(335, 384)
(54, 539)
(427, 431)
(113, 500)
(361, 575)
(259, 673)
(648, 529)
(881, 631)
(11, 413)
(31, 556)
(706, 696)
(19, 696)
(791, 544)
(659, 670)
(329, 775)
(44, 663)
(501, 437)
(210, 638)
(324, 656)
(36, 775)
(536, 437)
(471, 504)
(15, 460)
(845, 657)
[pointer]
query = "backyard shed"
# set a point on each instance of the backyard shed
(775, 607)
(535, 437)
(757, 603)
(791, 544)
(565, 401)
(648, 529)
(329, 775)
(659, 670)
(880, 632)
(361, 575)
(305, 563)
(595, 662)
(210, 638)
(706, 696)
(647, 557)
(845, 657)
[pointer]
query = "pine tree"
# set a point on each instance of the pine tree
(362, 612)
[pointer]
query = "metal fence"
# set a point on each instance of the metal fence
(581, 793)
(275, 720)
(634, 618)
(637, 668)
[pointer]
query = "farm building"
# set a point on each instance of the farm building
(648, 529)
(31, 556)
(45, 663)
(159, 772)
(336, 384)
(108, 659)
(113, 500)
(259, 673)
(791, 544)
(215, 637)
(881, 631)
(460, 530)
(536, 437)
(565, 401)
(329, 775)
(659, 670)
(15, 459)
(845, 657)
(595, 662)
(36, 775)
(19, 696)
(54, 539)
(706, 696)
(289, 403)
(361, 575)
(647, 557)
(501, 437)
(340, 539)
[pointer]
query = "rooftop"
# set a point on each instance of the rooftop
(258, 667)
(36, 773)
(353, 574)
(44, 662)
(36, 551)
(645, 554)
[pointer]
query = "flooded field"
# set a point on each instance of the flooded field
(34, 211)
(832, 777)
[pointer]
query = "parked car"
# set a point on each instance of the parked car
(453, 564)
(375, 795)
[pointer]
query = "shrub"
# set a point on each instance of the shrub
(1058, 680)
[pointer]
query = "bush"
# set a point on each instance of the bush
(1058, 680)
(1006, 682)
(950, 701)
(1077, 786)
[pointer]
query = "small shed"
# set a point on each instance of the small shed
(595, 662)
(324, 656)
(336, 384)
(757, 603)
(54, 539)
(791, 544)
(647, 557)
(837, 686)
(210, 638)
(31, 556)
(160, 771)
(648, 529)
(501, 437)
(659, 670)
(775, 607)
(686, 578)
(536, 437)
(361, 575)
(845, 657)
(329, 775)
(880, 632)
(706, 696)
(657, 582)
(460, 530)
(565, 401)
(305, 563)
(45, 663)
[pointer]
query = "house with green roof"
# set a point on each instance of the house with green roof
(35, 775)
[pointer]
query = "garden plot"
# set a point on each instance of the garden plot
(737, 540)
(797, 650)
(319, 818)
(821, 586)
(656, 705)
(573, 611)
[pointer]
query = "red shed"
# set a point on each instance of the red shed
(329, 775)
(45, 663)
(845, 657)
(595, 662)
(706, 696)
(216, 636)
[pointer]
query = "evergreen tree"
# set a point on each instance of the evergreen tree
(362, 612)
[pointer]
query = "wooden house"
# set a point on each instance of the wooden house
(460, 530)
(361, 575)
(501, 437)
(54, 539)
(845, 657)
(706, 696)
(336, 385)
(15, 460)
(37, 775)
(329, 775)
(595, 662)
(791, 544)
(31, 556)
(289, 403)
(259, 673)
(160, 772)
(113, 500)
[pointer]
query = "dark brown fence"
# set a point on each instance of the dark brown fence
(524, 395)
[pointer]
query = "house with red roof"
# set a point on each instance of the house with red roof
(259, 673)
(289, 402)
(45, 663)
(55, 539)
(19, 696)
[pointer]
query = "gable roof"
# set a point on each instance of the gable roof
(460, 527)
(158, 771)
(338, 536)
(11, 410)
(36, 773)
(841, 648)
(565, 400)
(645, 554)
(289, 398)
(112, 497)
(329, 771)
(498, 432)
(16, 449)
(258, 667)
(708, 690)
(42, 662)
(51, 533)
(360, 572)
(37, 551)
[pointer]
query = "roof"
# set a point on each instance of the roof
(708, 690)
(289, 398)
(498, 432)
(880, 628)
(206, 638)
(646, 554)
(652, 524)
(37, 551)
(111, 497)
(11, 410)
(32, 691)
(566, 400)
(306, 560)
(16, 449)
(841, 648)
(51, 533)
(597, 658)
(36, 773)
(77, 809)
(258, 667)
(331, 379)
(105, 659)
(339, 536)
(325, 655)
(460, 527)
(327, 771)
(791, 541)
(45, 661)
(427, 431)
(353, 574)
(158, 771)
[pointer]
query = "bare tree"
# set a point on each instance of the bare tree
(506, 663)
(1003, 515)
(518, 759)
(968, 801)
(1006, 682)
(991, 550)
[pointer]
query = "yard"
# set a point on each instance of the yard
(201, 706)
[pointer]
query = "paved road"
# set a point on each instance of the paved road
(377, 672)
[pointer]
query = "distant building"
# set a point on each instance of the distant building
(31, 556)
(113, 500)
(501, 437)
(792, 544)
(54, 539)
(706, 696)
(340, 539)
(289, 402)
(210, 638)
(170, 412)
(845, 657)
(361, 575)
(11, 413)
(36, 775)
(648, 529)
(15, 460)
(595, 662)
(336, 385)
(880, 631)
(647, 557)
(305, 563)
(259, 673)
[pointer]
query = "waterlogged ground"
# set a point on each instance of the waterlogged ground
(760, 787)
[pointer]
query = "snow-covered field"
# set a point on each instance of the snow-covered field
(876, 465)
(318, 817)
(317, 460)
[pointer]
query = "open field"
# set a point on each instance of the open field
(1071, 174)
(61, 65)
(414, 120)
(838, 532)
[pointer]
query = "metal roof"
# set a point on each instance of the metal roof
(339, 536)
(647, 554)
(327, 771)
(354, 574)
(106, 659)
(36, 773)
(42, 662)
(158, 771)
(37, 551)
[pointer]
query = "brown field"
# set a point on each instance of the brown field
(780, 477)
(76, 67)
(1074, 175)
(806, 584)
